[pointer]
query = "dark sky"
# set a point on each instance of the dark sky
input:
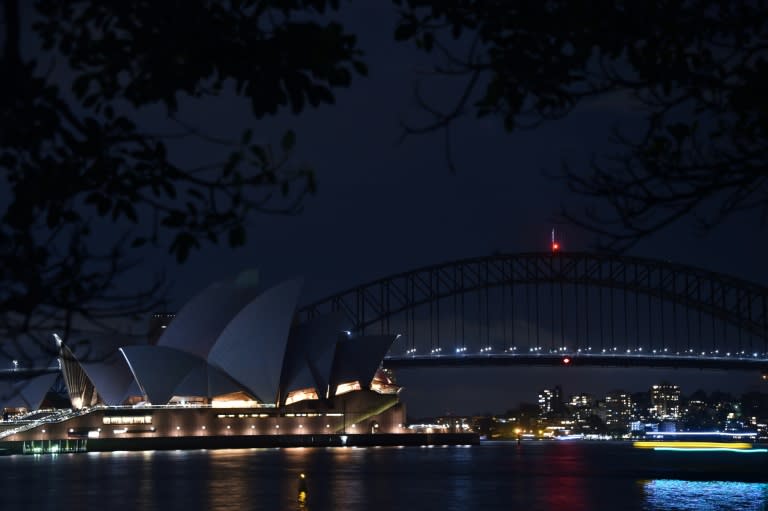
(384, 207)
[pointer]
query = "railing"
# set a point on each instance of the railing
(755, 361)
(53, 418)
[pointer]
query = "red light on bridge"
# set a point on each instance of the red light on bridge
(566, 361)
(555, 245)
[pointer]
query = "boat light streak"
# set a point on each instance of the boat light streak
(692, 445)
(709, 449)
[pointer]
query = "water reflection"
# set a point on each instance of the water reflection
(676, 495)
(346, 488)
(565, 487)
(534, 477)
(227, 472)
(145, 487)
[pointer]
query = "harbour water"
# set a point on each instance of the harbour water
(533, 476)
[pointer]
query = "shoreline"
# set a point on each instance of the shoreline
(79, 445)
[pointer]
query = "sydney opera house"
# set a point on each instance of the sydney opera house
(233, 362)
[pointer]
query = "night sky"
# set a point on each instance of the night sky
(384, 207)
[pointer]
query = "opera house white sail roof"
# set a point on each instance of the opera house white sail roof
(228, 340)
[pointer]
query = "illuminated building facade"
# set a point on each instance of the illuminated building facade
(665, 401)
(234, 361)
(619, 408)
(580, 407)
(551, 401)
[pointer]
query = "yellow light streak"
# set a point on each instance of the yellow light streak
(692, 445)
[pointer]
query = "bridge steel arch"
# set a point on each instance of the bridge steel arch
(740, 304)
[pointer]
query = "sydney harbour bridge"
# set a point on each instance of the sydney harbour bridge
(555, 308)
(561, 308)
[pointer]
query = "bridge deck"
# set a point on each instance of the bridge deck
(579, 359)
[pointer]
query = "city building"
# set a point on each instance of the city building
(580, 406)
(665, 402)
(551, 402)
(619, 409)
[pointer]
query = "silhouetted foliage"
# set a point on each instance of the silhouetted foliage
(88, 181)
(696, 71)
(754, 404)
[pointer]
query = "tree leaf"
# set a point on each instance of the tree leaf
(288, 141)
(237, 236)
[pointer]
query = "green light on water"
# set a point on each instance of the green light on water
(708, 449)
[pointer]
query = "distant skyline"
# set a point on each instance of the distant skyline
(433, 392)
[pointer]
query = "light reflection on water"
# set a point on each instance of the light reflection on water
(539, 476)
(676, 495)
